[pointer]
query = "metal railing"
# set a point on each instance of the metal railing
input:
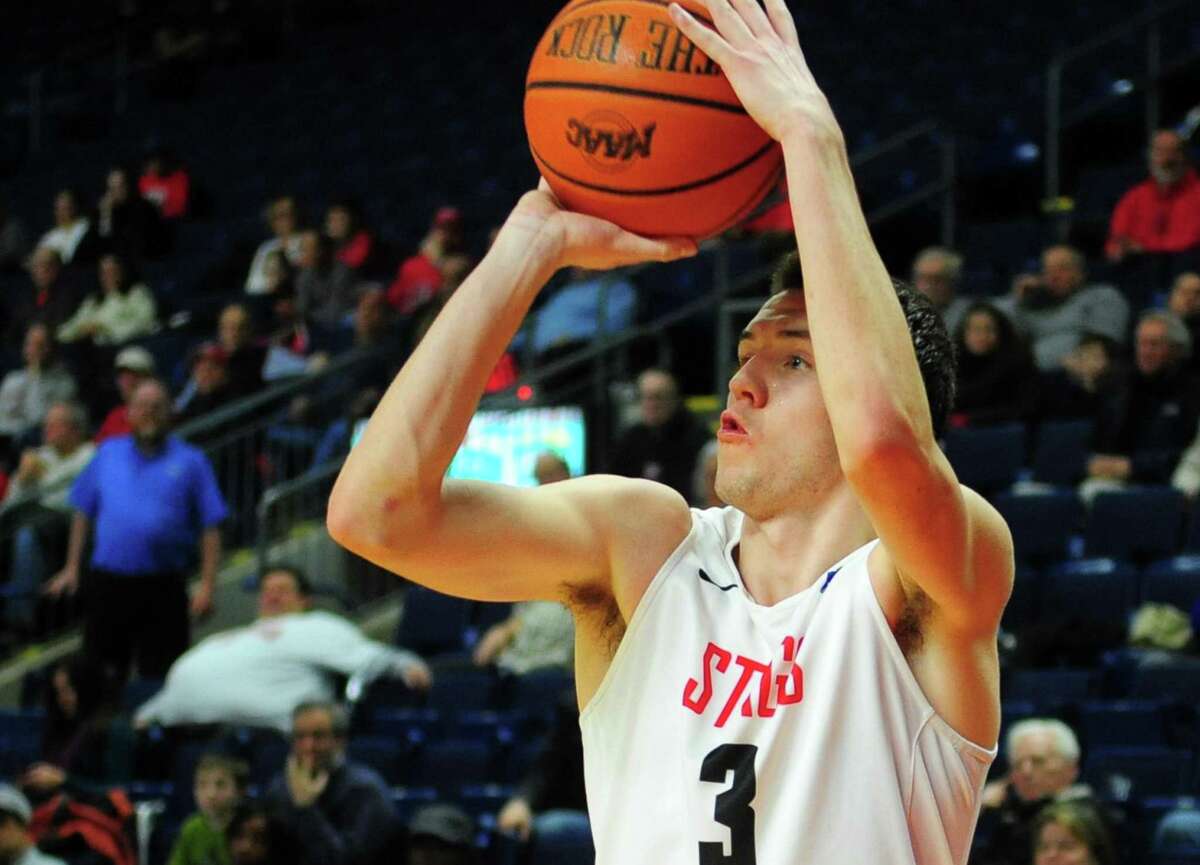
(1146, 27)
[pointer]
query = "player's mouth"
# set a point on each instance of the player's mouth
(731, 429)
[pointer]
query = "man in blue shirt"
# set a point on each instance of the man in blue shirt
(153, 503)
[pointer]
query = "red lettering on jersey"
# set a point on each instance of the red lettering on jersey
(723, 658)
(762, 701)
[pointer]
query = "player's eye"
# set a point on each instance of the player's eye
(798, 362)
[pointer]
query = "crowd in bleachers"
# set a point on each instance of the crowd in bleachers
(1077, 414)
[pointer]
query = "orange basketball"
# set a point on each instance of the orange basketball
(630, 121)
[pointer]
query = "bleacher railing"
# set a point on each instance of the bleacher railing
(1148, 29)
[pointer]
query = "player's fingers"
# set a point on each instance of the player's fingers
(782, 21)
(705, 38)
(629, 248)
(753, 17)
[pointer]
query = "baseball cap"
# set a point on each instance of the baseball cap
(444, 822)
(13, 801)
(135, 359)
(447, 216)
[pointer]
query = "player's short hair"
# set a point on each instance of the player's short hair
(215, 761)
(338, 716)
(303, 583)
(931, 341)
(1065, 742)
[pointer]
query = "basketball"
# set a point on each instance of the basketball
(629, 121)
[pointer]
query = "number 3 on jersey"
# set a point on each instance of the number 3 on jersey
(732, 808)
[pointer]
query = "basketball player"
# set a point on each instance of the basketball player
(808, 677)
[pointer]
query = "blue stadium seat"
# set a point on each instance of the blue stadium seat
(432, 623)
(465, 689)
(479, 800)
(987, 459)
(1048, 688)
(451, 763)
(1042, 524)
(385, 755)
(407, 723)
(561, 838)
(406, 800)
(1125, 773)
(538, 692)
(1101, 590)
(1024, 603)
(484, 615)
(1173, 581)
(1061, 451)
(1123, 723)
(1135, 524)
(1176, 682)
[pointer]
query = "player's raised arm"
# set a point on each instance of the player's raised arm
(391, 503)
(949, 543)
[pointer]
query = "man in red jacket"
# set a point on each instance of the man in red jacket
(1160, 214)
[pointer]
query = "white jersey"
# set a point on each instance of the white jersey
(796, 734)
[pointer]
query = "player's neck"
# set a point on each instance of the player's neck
(785, 554)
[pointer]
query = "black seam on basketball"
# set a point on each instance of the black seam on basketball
(634, 91)
(751, 204)
(583, 3)
(669, 190)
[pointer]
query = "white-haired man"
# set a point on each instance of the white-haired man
(1043, 767)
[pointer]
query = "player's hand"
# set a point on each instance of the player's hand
(65, 581)
(570, 239)
(759, 52)
(515, 818)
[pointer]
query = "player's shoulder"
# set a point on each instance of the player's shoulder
(633, 506)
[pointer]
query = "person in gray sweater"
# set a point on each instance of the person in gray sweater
(1056, 308)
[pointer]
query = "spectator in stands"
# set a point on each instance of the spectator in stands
(1072, 833)
(155, 507)
(552, 792)
(338, 811)
(1162, 213)
(124, 309)
(220, 785)
(995, 370)
(258, 674)
(16, 842)
(126, 223)
(86, 741)
(1054, 310)
(284, 220)
(353, 245)
(936, 273)
(1089, 384)
(133, 366)
(14, 242)
(324, 286)
(26, 394)
(441, 834)
(258, 837)
(209, 387)
(663, 445)
(35, 512)
(245, 356)
(1184, 301)
(1043, 760)
(72, 236)
(1155, 420)
(165, 184)
(590, 303)
(422, 276)
(51, 298)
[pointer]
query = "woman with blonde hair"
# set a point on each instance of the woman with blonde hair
(1071, 833)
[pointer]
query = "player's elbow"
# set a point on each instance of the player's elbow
(880, 448)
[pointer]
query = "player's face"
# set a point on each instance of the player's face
(1038, 770)
(776, 443)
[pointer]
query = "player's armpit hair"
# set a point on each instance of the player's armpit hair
(597, 604)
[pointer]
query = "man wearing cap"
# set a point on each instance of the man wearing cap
(16, 844)
(421, 276)
(338, 811)
(209, 387)
(155, 508)
(133, 365)
(441, 834)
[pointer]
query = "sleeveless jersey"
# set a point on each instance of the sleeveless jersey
(730, 733)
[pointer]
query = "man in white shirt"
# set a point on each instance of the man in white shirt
(70, 227)
(257, 675)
